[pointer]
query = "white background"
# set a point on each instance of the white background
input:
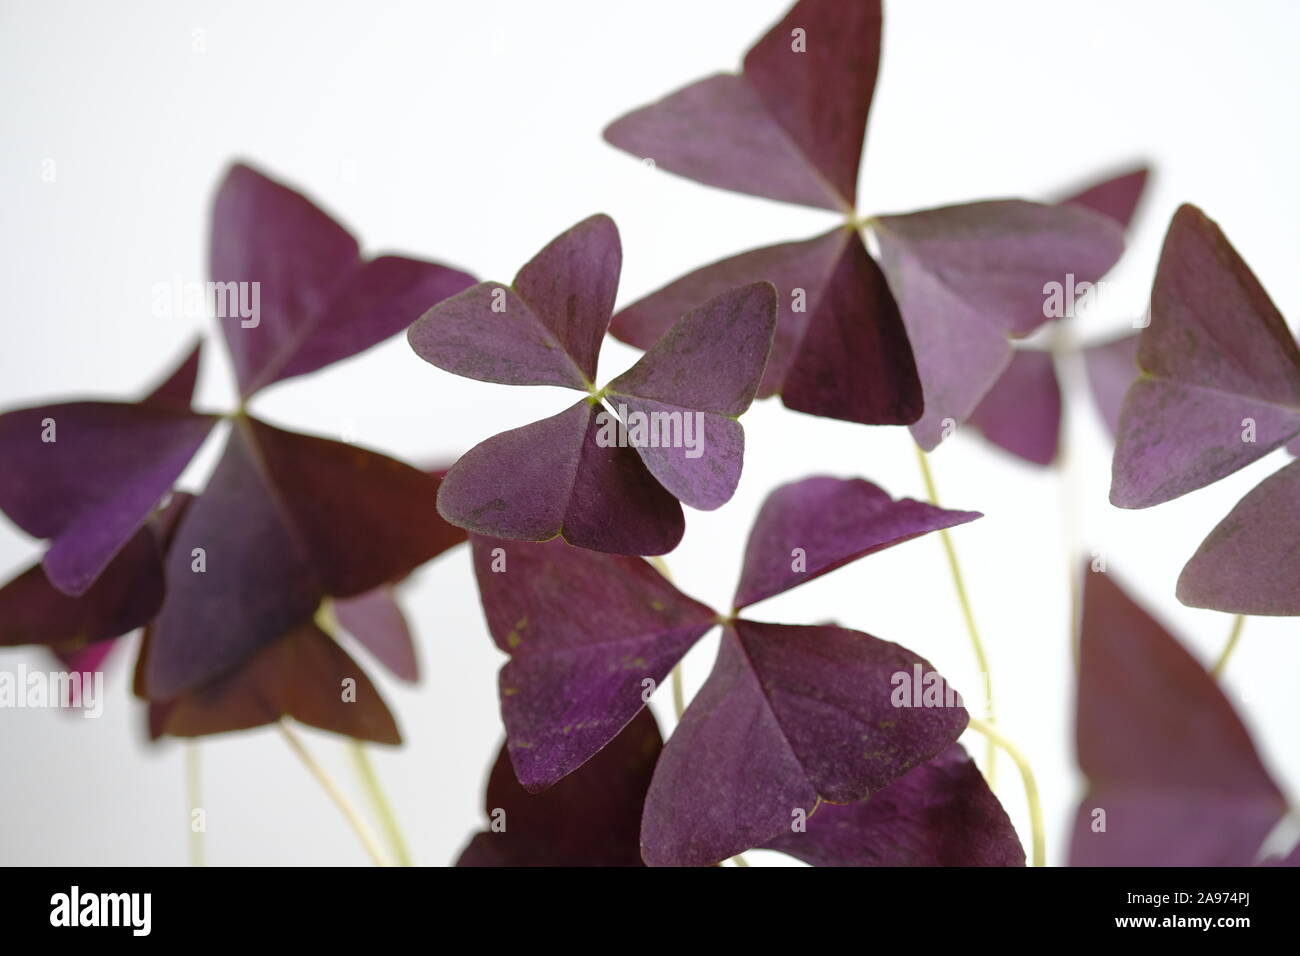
(471, 133)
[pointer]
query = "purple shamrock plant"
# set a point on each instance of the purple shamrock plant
(919, 338)
(292, 533)
(791, 717)
(1219, 389)
(606, 479)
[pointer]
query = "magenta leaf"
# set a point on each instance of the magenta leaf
(1173, 778)
(811, 527)
(1249, 563)
(693, 384)
(941, 813)
(1021, 413)
(1220, 383)
(970, 278)
(789, 717)
(590, 818)
(294, 294)
(376, 620)
(585, 632)
(1111, 367)
(790, 127)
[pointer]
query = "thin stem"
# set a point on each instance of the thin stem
(1031, 788)
(384, 808)
(192, 796)
(679, 691)
(959, 583)
(1234, 636)
(739, 860)
(340, 799)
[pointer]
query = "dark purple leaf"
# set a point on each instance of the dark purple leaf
(790, 128)
(125, 596)
(586, 632)
(365, 518)
(177, 389)
(1173, 778)
(1021, 413)
(285, 520)
(811, 527)
(1249, 564)
(92, 486)
(545, 329)
(590, 818)
(317, 301)
(840, 348)
(799, 270)
(690, 388)
(1111, 367)
(941, 813)
(257, 581)
(969, 278)
(376, 620)
(789, 717)
(1116, 197)
(302, 674)
(1221, 373)
(553, 478)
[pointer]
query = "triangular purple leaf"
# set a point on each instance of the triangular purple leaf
(1249, 564)
(585, 632)
(790, 128)
(1173, 778)
(1221, 372)
(811, 527)
(790, 716)
(590, 818)
(554, 478)
(1021, 413)
(694, 383)
(969, 278)
(941, 813)
(87, 475)
(1111, 367)
(376, 620)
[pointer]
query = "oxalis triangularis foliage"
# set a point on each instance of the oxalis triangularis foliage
(828, 744)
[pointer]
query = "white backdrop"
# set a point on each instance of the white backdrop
(471, 133)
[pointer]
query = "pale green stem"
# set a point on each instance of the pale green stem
(192, 795)
(383, 807)
(1031, 788)
(336, 794)
(1234, 636)
(959, 583)
(739, 860)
